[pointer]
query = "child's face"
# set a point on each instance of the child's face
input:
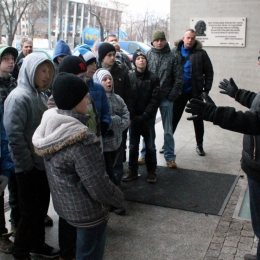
(91, 69)
(82, 106)
(107, 83)
(109, 59)
(140, 62)
(7, 63)
(43, 76)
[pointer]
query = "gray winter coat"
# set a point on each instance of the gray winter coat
(24, 108)
(167, 66)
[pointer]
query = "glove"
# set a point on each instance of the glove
(229, 87)
(201, 110)
(3, 183)
(104, 127)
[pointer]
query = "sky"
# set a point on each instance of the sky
(159, 6)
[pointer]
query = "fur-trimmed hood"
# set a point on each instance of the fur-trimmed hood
(197, 45)
(57, 131)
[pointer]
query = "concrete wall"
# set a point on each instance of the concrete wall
(239, 63)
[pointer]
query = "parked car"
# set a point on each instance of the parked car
(47, 52)
(132, 46)
(130, 56)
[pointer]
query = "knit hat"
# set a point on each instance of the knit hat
(73, 64)
(68, 90)
(104, 49)
(100, 74)
(7, 49)
(138, 53)
(88, 56)
(158, 35)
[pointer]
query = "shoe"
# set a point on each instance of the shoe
(46, 251)
(120, 211)
(200, 151)
(141, 161)
(130, 175)
(13, 229)
(48, 222)
(151, 177)
(250, 257)
(6, 245)
(171, 164)
(161, 150)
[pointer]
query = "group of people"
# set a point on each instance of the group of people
(64, 130)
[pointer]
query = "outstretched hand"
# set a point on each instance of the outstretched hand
(201, 110)
(229, 87)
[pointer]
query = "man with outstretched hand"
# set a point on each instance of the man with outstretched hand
(247, 123)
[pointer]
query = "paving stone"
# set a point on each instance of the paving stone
(248, 226)
(242, 253)
(220, 234)
(211, 252)
(219, 240)
(229, 250)
(233, 233)
(238, 258)
(222, 229)
(245, 233)
(215, 246)
(225, 257)
(243, 247)
(247, 240)
(231, 243)
(210, 258)
(236, 225)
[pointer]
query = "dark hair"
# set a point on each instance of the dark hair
(191, 30)
(110, 35)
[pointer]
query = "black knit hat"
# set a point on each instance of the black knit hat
(72, 64)
(68, 90)
(138, 53)
(104, 49)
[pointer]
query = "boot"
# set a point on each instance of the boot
(130, 175)
(151, 177)
(6, 245)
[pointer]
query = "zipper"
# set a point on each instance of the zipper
(254, 151)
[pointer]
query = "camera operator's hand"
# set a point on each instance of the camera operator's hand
(229, 87)
(200, 109)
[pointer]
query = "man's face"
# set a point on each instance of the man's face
(109, 59)
(7, 63)
(91, 69)
(111, 39)
(189, 39)
(43, 76)
(140, 62)
(159, 44)
(27, 48)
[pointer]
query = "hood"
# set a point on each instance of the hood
(27, 71)
(196, 46)
(165, 49)
(61, 49)
(57, 131)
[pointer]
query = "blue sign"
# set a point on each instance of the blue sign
(90, 35)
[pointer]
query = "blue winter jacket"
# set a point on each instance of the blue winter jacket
(98, 94)
(7, 166)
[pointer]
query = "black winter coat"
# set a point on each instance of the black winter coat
(201, 67)
(145, 93)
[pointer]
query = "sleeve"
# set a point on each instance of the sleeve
(15, 118)
(128, 95)
(90, 167)
(7, 166)
(177, 72)
(242, 122)
(245, 97)
(208, 72)
(105, 108)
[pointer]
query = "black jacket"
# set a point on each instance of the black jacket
(201, 67)
(247, 123)
(145, 93)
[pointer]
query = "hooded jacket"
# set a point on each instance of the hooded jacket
(201, 67)
(6, 86)
(120, 118)
(81, 190)
(24, 108)
(167, 66)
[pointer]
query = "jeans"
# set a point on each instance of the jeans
(150, 155)
(13, 200)
(33, 199)
(118, 168)
(110, 158)
(166, 109)
(91, 242)
(67, 239)
(2, 215)
(178, 108)
(254, 195)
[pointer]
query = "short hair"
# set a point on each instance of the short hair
(111, 35)
(26, 39)
(191, 30)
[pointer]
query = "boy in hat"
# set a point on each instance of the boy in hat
(96, 91)
(24, 107)
(81, 190)
(146, 97)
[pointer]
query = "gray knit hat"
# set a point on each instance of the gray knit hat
(158, 35)
(100, 74)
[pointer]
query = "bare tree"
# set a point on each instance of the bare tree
(12, 12)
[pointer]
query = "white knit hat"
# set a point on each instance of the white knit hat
(100, 74)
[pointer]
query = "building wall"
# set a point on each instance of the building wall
(239, 63)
